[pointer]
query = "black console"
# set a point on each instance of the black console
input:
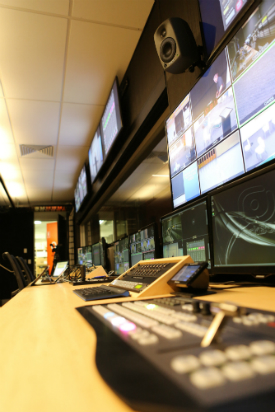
(179, 354)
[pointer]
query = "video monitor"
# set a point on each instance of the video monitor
(122, 256)
(258, 139)
(216, 124)
(255, 89)
(143, 244)
(111, 122)
(243, 223)
(210, 87)
(60, 268)
(179, 121)
(88, 256)
(82, 184)
(221, 164)
(77, 198)
(185, 186)
(96, 154)
(80, 256)
(183, 152)
(253, 38)
(186, 233)
(97, 254)
(218, 18)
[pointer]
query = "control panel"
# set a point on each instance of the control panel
(141, 276)
(186, 354)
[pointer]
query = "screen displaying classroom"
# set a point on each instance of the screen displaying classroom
(225, 127)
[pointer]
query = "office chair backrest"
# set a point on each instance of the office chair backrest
(16, 269)
(25, 268)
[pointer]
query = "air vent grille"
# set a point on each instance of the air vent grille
(26, 149)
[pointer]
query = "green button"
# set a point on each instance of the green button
(138, 286)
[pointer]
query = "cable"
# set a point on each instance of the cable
(11, 271)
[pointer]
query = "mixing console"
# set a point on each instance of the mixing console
(160, 362)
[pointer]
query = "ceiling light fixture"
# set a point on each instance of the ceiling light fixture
(160, 175)
(37, 222)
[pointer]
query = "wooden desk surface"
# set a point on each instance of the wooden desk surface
(47, 351)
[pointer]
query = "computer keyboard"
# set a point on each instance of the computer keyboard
(94, 281)
(101, 292)
(158, 343)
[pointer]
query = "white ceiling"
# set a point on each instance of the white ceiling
(58, 60)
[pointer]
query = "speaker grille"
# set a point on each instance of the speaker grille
(167, 49)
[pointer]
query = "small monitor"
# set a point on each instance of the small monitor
(186, 233)
(96, 154)
(111, 122)
(143, 244)
(80, 256)
(81, 189)
(87, 259)
(60, 267)
(97, 254)
(121, 255)
(243, 223)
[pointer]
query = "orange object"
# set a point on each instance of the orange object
(52, 236)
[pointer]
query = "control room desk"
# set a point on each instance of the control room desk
(47, 351)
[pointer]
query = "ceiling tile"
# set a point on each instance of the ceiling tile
(38, 196)
(5, 127)
(39, 179)
(34, 122)
(71, 158)
(89, 74)
(32, 48)
(62, 195)
(78, 123)
(46, 6)
(127, 13)
(36, 164)
(8, 152)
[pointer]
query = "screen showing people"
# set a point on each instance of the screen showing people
(186, 233)
(230, 123)
(121, 256)
(96, 155)
(142, 245)
(243, 223)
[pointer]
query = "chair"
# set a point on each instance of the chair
(26, 270)
(17, 272)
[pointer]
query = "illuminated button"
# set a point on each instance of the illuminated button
(262, 347)
(135, 317)
(149, 340)
(207, 378)
(185, 364)
(101, 310)
(264, 364)
(117, 320)
(167, 332)
(138, 286)
(127, 327)
(238, 352)
(238, 371)
(212, 357)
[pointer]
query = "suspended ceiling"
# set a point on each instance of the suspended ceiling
(58, 60)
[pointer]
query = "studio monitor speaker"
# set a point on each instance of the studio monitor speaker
(176, 46)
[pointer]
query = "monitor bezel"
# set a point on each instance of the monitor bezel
(115, 85)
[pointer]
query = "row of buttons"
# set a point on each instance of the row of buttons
(129, 285)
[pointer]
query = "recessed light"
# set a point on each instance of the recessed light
(37, 222)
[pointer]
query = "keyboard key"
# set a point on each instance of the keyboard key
(167, 332)
(238, 371)
(238, 352)
(185, 364)
(192, 328)
(262, 347)
(207, 378)
(213, 357)
(135, 317)
(148, 340)
(264, 364)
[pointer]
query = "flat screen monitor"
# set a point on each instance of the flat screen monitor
(97, 254)
(229, 128)
(218, 19)
(143, 244)
(81, 189)
(96, 154)
(121, 256)
(87, 256)
(80, 256)
(77, 198)
(111, 122)
(243, 222)
(186, 233)
(60, 267)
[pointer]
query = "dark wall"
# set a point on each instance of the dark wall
(16, 234)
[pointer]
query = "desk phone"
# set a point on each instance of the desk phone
(179, 354)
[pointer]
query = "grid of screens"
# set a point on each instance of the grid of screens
(111, 122)
(96, 154)
(97, 254)
(84, 255)
(217, 19)
(81, 189)
(225, 126)
(186, 233)
(243, 223)
(121, 256)
(142, 245)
